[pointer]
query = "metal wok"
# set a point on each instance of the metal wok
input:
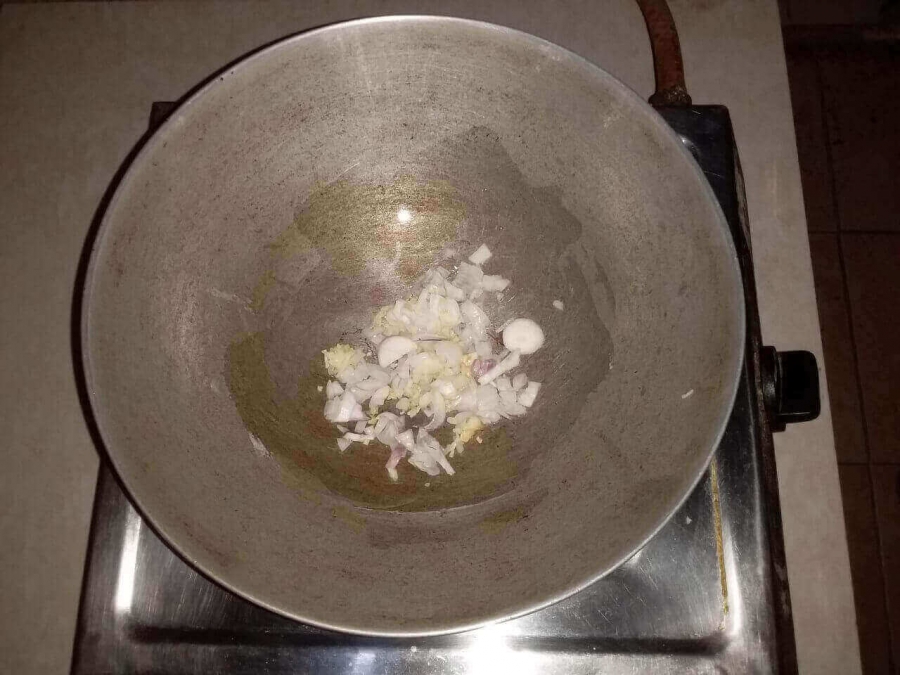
(258, 226)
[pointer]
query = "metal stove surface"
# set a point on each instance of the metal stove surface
(708, 594)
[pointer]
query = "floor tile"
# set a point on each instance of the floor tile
(872, 264)
(834, 318)
(809, 126)
(886, 485)
(833, 11)
(861, 91)
(865, 567)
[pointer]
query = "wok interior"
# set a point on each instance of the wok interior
(259, 227)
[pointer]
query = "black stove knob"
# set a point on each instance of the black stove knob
(790, 387)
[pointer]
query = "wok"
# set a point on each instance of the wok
(258, 226)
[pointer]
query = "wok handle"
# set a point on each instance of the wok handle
(668, 65)
(790, 387)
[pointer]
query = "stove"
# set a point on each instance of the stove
(708, 594)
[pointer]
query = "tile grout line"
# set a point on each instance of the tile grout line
(853, 346)
(893, 465)
(869, 233)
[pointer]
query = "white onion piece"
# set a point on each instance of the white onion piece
(343, 443)
(511, 361)
(363, 390)
(467, 400)
(483, 349)
(444, 388)
(406, 439)
(360, 426)
(439, 412)
(454, 292)
(524, 336)
(515, 409)
(489, 417)
(333, 389)
(365, 438)
(357, 414)
(494, 283)
(340, 410)
(397, 454)
(519, 381)
(393, 348)
(527, 397)
(468, 277)
(386, 429)
(503, 384)
(510, 404)
(475, 317)
(487, 399)
(450, 352)
(379, 397)
(429, 444)
(482, 255)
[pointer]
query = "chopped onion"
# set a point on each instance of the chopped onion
(406, 439)
(508, 363)
(392, 348)
(450, 352)
(475, 317)
(397, 453)
(434, 354)
(483, 349)
(523, 335)
(340, 409)
(468, 278)
(482, 255)
(493, 283)
(527, 397)
(379, 397)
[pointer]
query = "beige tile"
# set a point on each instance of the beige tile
(862, 105)
(843, 391)
(873, 279)
(886, 484)
(865, 565)
(809, 127)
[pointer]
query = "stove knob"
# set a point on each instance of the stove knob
(790, 387)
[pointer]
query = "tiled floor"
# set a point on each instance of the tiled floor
(846, 100)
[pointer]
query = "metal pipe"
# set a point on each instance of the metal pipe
(668, 65)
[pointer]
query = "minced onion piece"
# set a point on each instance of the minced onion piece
(524, 336)
(393, 348)
(435, 357)
(482, 255)
(511, 361)
(493, 283)
(519, 381)
(527, 397)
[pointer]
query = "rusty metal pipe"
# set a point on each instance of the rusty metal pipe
(668, 65)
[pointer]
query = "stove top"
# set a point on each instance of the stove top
(708, 594)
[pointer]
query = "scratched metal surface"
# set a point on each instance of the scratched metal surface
(699, 598)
